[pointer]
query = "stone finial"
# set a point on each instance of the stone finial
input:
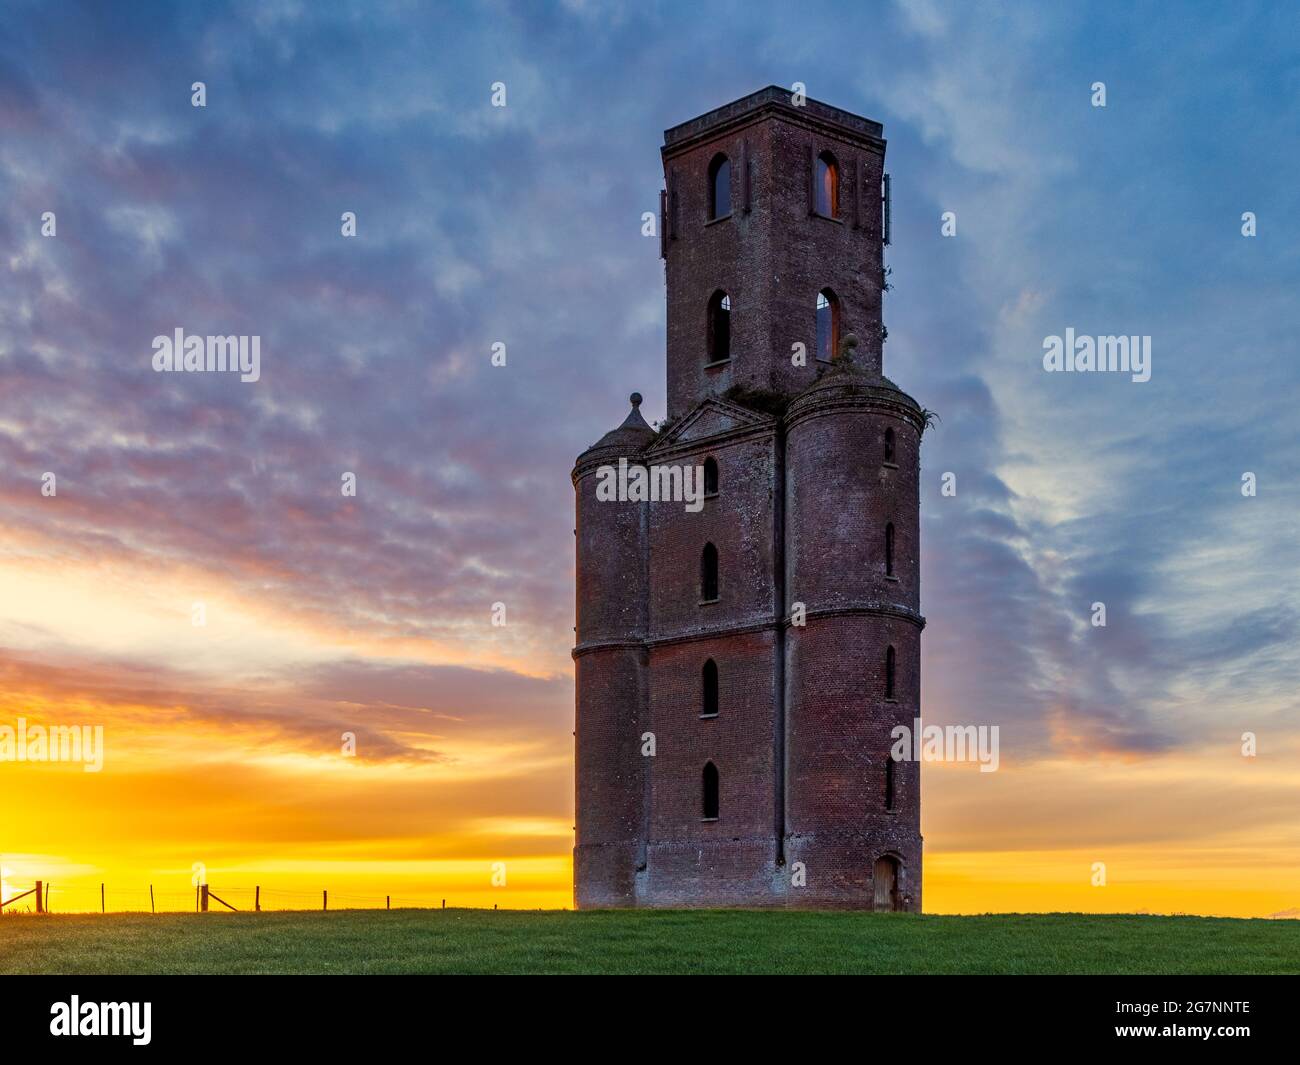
(635, 397)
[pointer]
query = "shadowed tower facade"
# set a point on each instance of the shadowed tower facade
(740, 667)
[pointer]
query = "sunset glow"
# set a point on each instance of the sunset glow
(303, 690)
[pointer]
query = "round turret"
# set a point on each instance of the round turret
(612, 597)
(853, 667)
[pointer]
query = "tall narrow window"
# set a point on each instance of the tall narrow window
(889, 550)
(828, 186)
(889, 445)
(710, 689)
(889, 782)
(719, 327)
(828, 324)
(719, 187)
(710, 791)
(890, 669)
(709, 573)
(710, 477)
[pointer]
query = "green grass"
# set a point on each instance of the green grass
(645, 941)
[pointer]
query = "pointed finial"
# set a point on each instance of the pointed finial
(635, 397)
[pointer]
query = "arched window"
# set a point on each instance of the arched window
(710, 477)
(719, 187)
(709, 573)
(890, 670)
(828, 186)
(710, 689)
(719, 327)
(889, 550)
(710, 791)
(828, 324)
(889, 782)
(889, 445)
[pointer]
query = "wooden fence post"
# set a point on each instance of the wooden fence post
(40, 905)
(444, 904)
(102, 908)
(151, 905)
(47, 896)
(257, 898)
(388, 902)
(203, 897)
(325, 900)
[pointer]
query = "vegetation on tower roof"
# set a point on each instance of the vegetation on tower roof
(763, 400)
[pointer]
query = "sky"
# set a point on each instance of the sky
(197, 496)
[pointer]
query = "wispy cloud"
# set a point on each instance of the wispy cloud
(521, 225)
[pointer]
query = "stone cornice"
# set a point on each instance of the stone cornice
(706, 443)
(773, 100)
(749, 423)
(591, 646)
(874, 608)
(596, 457)
(854, 396)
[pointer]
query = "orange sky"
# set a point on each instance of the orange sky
(227, 785)
(521, 228)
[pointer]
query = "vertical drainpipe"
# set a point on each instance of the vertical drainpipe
(744, 176)
(643, 693)
(778, 594)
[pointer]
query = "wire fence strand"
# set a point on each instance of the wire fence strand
(109, 899)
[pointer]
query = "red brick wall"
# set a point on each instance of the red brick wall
(839, 739)
(739, 741)
(610, 573)
(610, 775)
(610, 693)
(840, 496)
(772, 260)
(812, 253)
(730, 255)
(734, 523)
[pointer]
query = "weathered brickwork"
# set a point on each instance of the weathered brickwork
(818, 468)
(773, 258)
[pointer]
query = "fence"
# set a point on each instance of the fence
(42, 897)
(204, 896)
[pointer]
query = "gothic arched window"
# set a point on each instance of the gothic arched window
(710, 477)
(709, 573)
(828, 324)
(889, 550)
(719, 327)
(890, 671)
(710, 689)
(719, 187)
(828, 186)
(710, 791)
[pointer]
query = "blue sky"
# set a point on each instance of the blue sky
(523, 225)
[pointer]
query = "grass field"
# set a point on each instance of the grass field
(719, 941)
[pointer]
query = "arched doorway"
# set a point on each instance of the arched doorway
(885, 876)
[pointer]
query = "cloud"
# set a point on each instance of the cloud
(522, 225)
(399, 713)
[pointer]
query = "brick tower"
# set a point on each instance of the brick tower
(740, 667)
